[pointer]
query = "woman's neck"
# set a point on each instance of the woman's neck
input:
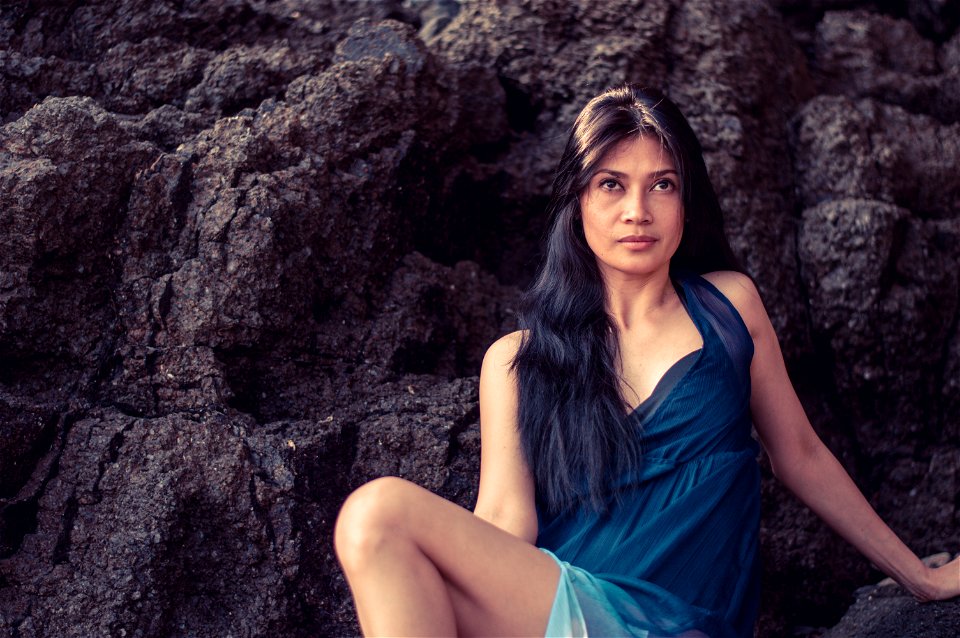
(631, 299)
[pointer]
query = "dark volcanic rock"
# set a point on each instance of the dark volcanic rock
(949, 55)
(134, 56)
(439, 319)
(864, 149)
(154, 72)
(233, 240)
(936, 18)
(799, 552)
(950, 393)
(86, 32)
(876, 266)
(28, 431)
(425, 429)
(884, 611)
(858, 43)
(27, 80)
(367, 39)
(858, 54)
(844, 286)
(245, 76)
(66, 164)
(870, 270)
(167, 126)
(432, 318)
(137, 505)
(919, 499)
(247, 244)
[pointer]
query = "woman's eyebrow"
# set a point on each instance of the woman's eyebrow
(610, 171)
(621, 175)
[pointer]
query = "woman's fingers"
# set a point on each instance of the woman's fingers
(943, 578)
(936, 560)
(947, 580)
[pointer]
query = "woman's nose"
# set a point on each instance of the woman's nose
(636, 211)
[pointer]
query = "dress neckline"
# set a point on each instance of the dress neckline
(676, 372)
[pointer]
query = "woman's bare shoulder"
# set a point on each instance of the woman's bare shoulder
(743, 294)
(502, 351)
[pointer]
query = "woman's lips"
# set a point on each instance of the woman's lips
(637, 242)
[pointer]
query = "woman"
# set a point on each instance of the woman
(616, 428)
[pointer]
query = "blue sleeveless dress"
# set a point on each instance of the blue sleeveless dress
(678, 554)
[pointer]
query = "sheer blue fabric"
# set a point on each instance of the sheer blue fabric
(677, 554)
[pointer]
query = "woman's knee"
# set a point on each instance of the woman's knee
(372, 516)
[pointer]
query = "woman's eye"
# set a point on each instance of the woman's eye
(663, 185)
(609, 184)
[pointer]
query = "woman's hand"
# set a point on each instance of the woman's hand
(943, 581)
(939, 580)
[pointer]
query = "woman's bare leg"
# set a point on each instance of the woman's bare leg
(419, 565)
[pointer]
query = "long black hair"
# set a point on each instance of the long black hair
(572, 415)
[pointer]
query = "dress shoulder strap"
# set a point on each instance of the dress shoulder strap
(724, 319)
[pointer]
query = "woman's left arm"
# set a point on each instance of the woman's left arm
(807, 467)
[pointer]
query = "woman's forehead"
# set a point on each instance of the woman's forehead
(642, 151)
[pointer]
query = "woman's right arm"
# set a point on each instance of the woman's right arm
(506, 496)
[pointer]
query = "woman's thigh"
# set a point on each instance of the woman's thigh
(498, 584)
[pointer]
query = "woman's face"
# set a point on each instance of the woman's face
(631, 208)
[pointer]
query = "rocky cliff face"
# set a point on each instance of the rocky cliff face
(251, 254)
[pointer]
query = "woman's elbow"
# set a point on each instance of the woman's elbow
(799, 460)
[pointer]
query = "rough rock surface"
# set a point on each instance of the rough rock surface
(66, 164)
(251, 254)
(99, 544)
(893, 272)
(858, 53)
(882, 611)
(867, 149)
(28, 79)
(163, 72)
